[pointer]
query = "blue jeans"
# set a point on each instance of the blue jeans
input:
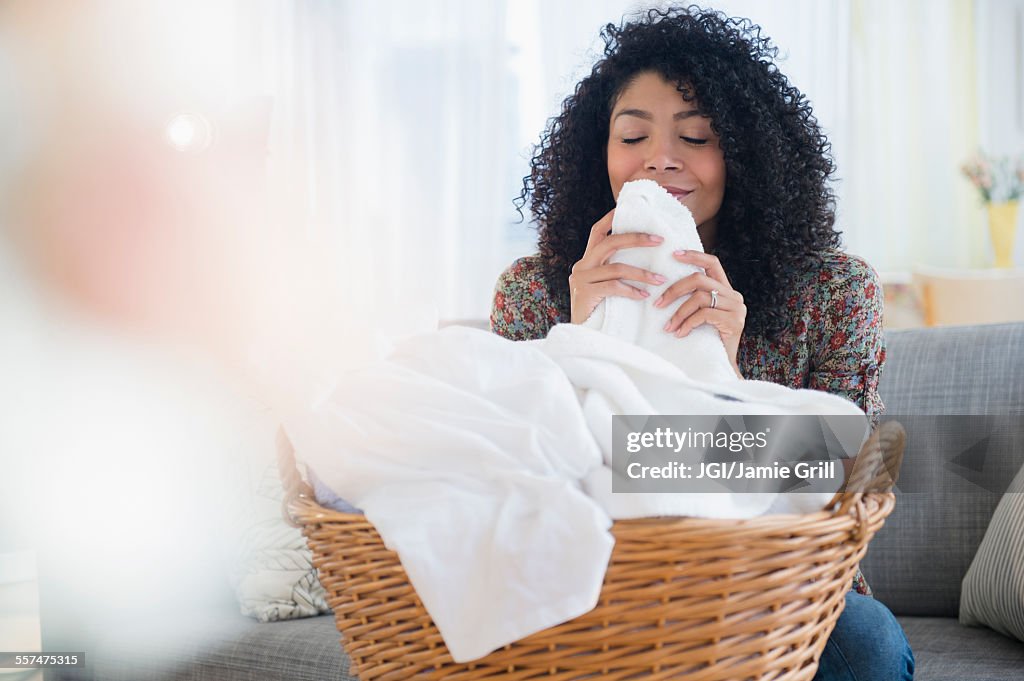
(867, 645)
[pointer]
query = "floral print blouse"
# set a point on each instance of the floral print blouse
(832, 343)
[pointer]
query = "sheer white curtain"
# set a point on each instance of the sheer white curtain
(390, 138)
(402, 130)
(913, 121)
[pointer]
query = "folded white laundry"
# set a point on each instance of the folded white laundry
(486, 464)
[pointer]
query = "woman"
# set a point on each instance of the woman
(692, 100)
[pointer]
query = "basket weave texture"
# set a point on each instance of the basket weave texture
(694, 598)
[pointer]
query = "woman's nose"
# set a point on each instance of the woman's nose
(662, 157)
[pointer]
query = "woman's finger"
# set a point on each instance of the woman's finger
(695, 282)
(693, 304)
(604, 248)
(616, 242)
(591, 294)
(584, 298)
(723, 320)
(621, 271)
(620, 289)
(711, 264)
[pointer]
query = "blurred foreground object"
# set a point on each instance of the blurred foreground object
(134, 197)
(137, 262)
(138, 200)
(19, 602)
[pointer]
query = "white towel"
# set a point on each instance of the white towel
(645, 207)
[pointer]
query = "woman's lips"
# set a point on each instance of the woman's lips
(679, 193)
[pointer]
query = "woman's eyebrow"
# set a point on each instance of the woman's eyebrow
(638, 113)
(646, 115)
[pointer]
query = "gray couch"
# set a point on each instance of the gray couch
(954, 473)
(951, 482)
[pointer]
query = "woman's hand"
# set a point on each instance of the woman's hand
(714, 302)
(593, 279)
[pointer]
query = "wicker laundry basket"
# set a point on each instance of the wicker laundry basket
(692, 598)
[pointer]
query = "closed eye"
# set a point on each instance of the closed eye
(633, 140)
(694, 140)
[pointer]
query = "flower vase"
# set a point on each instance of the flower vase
(1002, 226)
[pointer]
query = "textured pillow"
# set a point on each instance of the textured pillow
(993, 589)
(273, 574)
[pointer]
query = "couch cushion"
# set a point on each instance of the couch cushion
(223, 647)
(955, 467)
(954, 370)
(946, 651)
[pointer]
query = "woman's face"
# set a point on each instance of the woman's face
(655, 134)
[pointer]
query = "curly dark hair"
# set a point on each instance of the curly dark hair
(778, 213)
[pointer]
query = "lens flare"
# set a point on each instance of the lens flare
(189, 132)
